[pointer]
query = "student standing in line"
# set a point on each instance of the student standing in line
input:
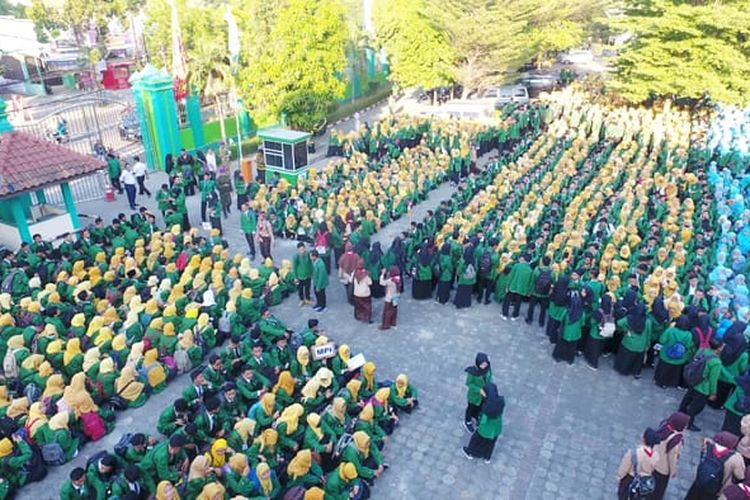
(319, 281)
(668, 451)
(248, 225)
(127, 178)
(392, 285)
(302, 268)
(490, 426)
(141, 174)
(640, 461)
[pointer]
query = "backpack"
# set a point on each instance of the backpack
(344, 441)
(7, 286)
(93, 426)
(710, 475)
(225, 324)
(251, 413)
(485, 263)
(94, 459)
(123, 444)
(10, 365)
(470, 273)
(53, 454)
(693, 371)
(182, 261)
(32, 393)
(543, 283)
(676, 350)
(640, 486)
(704, 338)
(182, 361)
(295, 341)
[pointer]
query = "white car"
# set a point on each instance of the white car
(513, 93)
(577, 57)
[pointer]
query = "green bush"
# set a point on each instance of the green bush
(343, 110)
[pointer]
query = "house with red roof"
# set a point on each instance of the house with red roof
(28, 166)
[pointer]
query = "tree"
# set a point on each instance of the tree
(417, 46)
(7, 8)
(78, 16)
(546, 39)
(487, 39)
(685, 50)
(298, 70)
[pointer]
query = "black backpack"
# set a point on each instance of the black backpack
(485, 263)
(693, 371)
(123, 444)
(710, 475)
(543, 283)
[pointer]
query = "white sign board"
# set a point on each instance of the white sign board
(324, 351)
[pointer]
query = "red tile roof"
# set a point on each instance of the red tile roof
(28, 162)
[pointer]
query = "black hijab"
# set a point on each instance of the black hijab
(734, 343)
(476, 370)
(376, 253)
(425, 255)
(659, 311)
(575, 306)
(445, 249)
(560, 291)
(493, 404)
(469, 254)
(683, 323)
(397, 247)
(637, 317)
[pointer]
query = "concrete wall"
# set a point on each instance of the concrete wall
(50, 229)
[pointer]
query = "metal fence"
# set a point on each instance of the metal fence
(84, 189)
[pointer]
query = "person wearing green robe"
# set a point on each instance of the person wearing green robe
(636, 339)
(677, 348)
(737, 405)
(114, 169)
(100, 475)
(466, 278)
(302, 270)
(77, 486)
(342, 483)
(129, 481)
(60, 434)
(271, 329)
(490, 426)
(236, 477)
(520, 285)
(542, 282)
(251, 385)
(164, 462)
(705, 390)
(572, 324)
(173, 417)
(477, 377)
(319, 281)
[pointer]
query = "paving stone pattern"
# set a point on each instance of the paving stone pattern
(566, 427)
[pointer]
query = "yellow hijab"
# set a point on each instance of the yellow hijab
(78, 320)
(54, 347)
(267, 439)
(245, 428)
(96, 323)
(32, 362)
(76, 396)
(310, 390)
(362, 442)
(127, 386)
(161, 491)
(6, 447)
(237, 463)
(263, 472)
(45, 369)
(18, 407)
(402, 384)
(59, 421)
(55, 385)
(136, 353)
(268, 403)
(313, 421)
(314, 493)
(106, 366)
(154, 371)
(338, 409)
(347, 471)
(291, 416)
(382, 396)
(187, 340)
(36, 418)
(344, 353)
(325, 377)
(72, 349)
(217, 457)
(105, 335)
(300, 464)
(4, 401)
(286, 382)
(353, 386)
(368, 372)
(367, 413)
(90, 358)
(119, 342)
(303, 355)
(199, 468)
(212, 491)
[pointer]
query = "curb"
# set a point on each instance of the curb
(368, 108)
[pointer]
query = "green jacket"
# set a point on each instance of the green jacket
(352, 454)
(336, 488)
(248, 222)
(68, 492)
(711, 372)
(99, 486)
(475, 384)
(671, 337)
(730, 372)
(490, 427)
(520, 280)
(445, 268)
(632, 341)
(320, 275)
(160, 465)
(302, 266)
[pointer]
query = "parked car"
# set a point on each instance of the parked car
(582, 56)
(536, 84)
(518, 94)
(130, 127)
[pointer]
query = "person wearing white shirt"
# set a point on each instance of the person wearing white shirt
(211, 161)
(127, 178)
(141, 174)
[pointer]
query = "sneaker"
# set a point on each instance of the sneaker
(466, 454)
(487, 461)
(591, 367)
(503, 317)
(514, 318)
(469, 426)
(316, 308)
(321, 309)
(528, 321)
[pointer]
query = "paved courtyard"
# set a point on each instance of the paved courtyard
(566, 428)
